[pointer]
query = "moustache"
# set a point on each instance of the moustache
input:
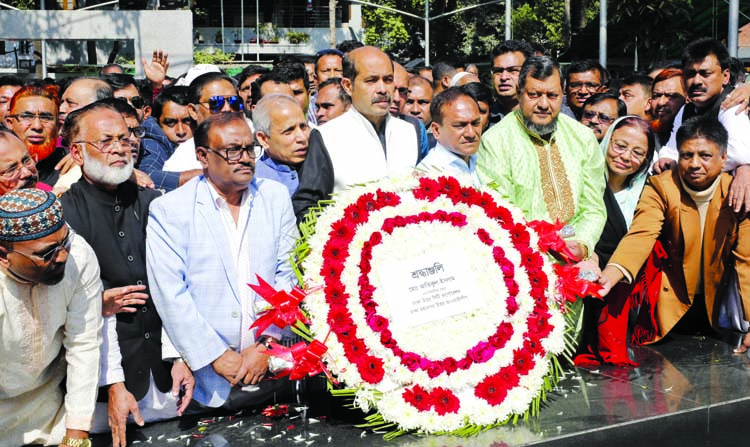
(381, 98)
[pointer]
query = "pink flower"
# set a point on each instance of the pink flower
(482, 352)
(410, 360)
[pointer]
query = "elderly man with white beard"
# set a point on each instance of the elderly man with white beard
(110, 213)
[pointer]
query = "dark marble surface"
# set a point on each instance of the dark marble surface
(687, 391)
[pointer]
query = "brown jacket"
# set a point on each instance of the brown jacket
(667, 212)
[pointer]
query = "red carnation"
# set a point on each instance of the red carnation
(492, 389)
(512, 305)
(418, 397)
(434, 369)
(480, 353)
(371, 370)
(457, 219)
(445, 401)
(450, 365)
(509, 271)
(465, 363)
(512, 286)
(484, 236)
(410, 360)
(387, 338)
(505, 330)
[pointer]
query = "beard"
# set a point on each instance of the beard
(539, 129)
(104, 174)
(41, 151)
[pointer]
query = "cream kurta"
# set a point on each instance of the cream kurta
(46, 332)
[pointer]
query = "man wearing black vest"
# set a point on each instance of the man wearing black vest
(708, 81)
(110, 213)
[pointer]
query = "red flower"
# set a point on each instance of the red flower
(368, 202)
(450, 365)
(533, 346)
(434, 369)
(418, 397)
(388, 198)
(342, 229)
(334, 251)
(387, 338)
(276, 411)
(376, 238)
(336, 294)
(512, 305)
(365, 292)
(532, 260)
(512, 286)
(410, 360)
(331, 271)
(445, 401)
(484, 236)
(465, 363)
(377, 323)
(449, 185)
(501, 214)
(498, 340)
(371, 369)
(508, 376)
(505, 330)
(356, 213)
(339, 319)
(523, 361)
(492, 389)
(480, 353)
(519, 235)
(509, 271)
(356, 349)
(457, 219)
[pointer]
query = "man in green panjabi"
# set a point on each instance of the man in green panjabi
(546, 163)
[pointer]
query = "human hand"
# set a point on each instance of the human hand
(118, 299)
(608, 278)
(254, 364)
(228, 366)
(142, 179)
(739, 191)
(156, 71)
(121, 405)
(663, 165)
(739, 96)
(65, 164)
(577, 248)
(590, 266)
(182, 378)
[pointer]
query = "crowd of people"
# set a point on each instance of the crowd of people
(133, 212)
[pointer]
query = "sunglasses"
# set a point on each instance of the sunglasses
(137, 102)
(215, 104)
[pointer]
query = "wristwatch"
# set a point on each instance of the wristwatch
(75, 442)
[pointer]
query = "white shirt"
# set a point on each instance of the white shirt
(183, 158)
(441, 160)
(738, 128)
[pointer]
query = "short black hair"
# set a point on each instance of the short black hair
(349, 45)
(645, 81)
(736, 69)
(101, 70)
(220, 119)
(343, 96)
(291, 72)
(122, 106)
(443, 98)
(596, 98)
(700, 49)
(255, 87)
(195, 89)
(703, 126)
(538, 67)
(511, 46)
(176, 94)
(441, 69)
(250, 70)
(10, 80)
(587, 65)
(120, 81)
(480, 92)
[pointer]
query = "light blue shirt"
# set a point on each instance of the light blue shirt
(442, 161)
(266, 167)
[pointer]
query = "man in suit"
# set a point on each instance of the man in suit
(205, 241)
(688, 210)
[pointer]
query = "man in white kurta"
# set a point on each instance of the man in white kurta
(48, 330)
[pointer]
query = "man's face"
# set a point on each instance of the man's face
(130, 92)
(418, 101)
(6, 92)
(329, 66)
(667, 97)
(699, 162)
(328, 104)
(505, 70)
(100, 131)
(228, 177)
(176, 122)
(246, 90)
(133, 123)
(636, 99)
(461, 128)
(704, 81)
(40, 261)
(287, 141)
(34, 120)
(300, 93)
(372, 88)
(598, 117)
(581, 86)
(401, 89)
(17, 168)
(484, 112)
(220, 87)
(79, 94)
(312, 77)
(540, 102)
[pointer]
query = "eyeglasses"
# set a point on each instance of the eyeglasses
(618, 149)
(137, 102)
(49, 256)
(234, 154)
(576, 86)
(138, 131)
(589, 115)
(215, 104)
(14, 171)
(107, 145)
(27, 118)
(512, 70)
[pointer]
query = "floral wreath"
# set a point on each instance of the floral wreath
(450, 355)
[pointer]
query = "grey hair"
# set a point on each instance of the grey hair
(262, 111)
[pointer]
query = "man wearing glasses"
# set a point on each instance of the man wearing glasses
(17, 167)
(507, 59)
(583, 79)
(32, 116)
(209, 94)
(50, 323)
(110, 213)
(205, 242)
(600, 111)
